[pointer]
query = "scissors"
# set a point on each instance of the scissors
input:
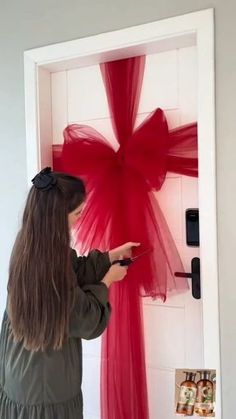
(128, 261)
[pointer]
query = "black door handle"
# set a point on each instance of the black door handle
(195, 275)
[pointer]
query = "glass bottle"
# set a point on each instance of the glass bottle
(187, 396)
(204, 401)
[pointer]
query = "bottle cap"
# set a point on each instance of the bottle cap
(190, 376)
(204, 374)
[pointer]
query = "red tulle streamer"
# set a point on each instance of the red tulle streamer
(121, 207)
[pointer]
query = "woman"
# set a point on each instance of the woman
(54, 299)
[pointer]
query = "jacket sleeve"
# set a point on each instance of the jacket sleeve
(91, 311)
(90, 269)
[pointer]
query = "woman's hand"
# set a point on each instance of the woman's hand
(125, 250)
(115, 273)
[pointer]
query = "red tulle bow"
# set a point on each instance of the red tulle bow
(121, 206)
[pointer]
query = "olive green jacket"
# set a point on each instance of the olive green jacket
(47, 385)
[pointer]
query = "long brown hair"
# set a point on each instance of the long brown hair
(40, 272)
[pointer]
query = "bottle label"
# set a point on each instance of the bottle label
(187, 395)
(204, 398)
(205, 395)
(204, 406)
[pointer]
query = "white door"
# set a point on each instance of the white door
(173, 331)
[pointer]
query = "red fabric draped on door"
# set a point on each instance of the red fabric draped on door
(120, 207)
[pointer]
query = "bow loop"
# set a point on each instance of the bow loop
(84, 152)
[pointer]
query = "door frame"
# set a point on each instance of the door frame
(190, 29)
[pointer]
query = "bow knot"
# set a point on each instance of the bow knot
(121, 157)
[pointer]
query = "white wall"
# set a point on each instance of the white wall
(28, 24)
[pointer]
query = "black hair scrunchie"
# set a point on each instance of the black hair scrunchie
(44, 180)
